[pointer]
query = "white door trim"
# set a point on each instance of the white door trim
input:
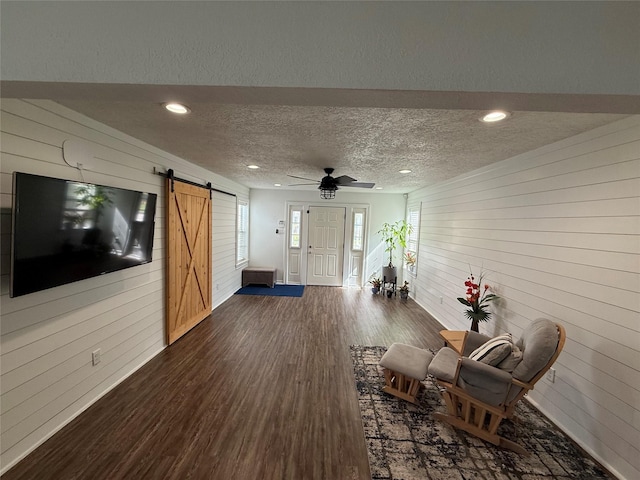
(348, 235)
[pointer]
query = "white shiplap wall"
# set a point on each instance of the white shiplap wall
(47, 337)
(226, 276)
(558, 232)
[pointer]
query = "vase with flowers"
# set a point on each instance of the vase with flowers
(478, 297)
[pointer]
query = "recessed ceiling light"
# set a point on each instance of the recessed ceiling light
(177, 108)
(494, 116)
(405, 171)
(253, 167)
(378, 188)
(277, 185)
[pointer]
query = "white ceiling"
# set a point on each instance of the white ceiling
(370, 144)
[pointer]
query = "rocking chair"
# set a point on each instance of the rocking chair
(479, 395)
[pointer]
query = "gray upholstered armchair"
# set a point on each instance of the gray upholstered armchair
(483, 385)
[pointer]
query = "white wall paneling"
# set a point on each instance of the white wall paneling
(47, 337)
(557, 230)
(226, 276)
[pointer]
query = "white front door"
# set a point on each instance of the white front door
(325, 253)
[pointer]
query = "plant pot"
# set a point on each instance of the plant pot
(404, 295)
(389, 274)
(375, 290)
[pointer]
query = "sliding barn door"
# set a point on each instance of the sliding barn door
(188, 257)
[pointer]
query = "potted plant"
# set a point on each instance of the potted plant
(375, 284)
(393, 235)
(404, 290)
(478, 298)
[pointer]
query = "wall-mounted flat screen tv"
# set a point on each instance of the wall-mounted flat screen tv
(65, 231)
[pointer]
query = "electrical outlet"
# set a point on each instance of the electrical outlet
(95, 357)
(551, 375)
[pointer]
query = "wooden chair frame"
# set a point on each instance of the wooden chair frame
(401, 385)
(481, 419)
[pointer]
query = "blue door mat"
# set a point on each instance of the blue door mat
(276, 291)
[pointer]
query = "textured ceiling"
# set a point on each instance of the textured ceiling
(369, 144)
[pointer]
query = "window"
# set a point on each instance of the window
(411, 252)
(358, 231)
(242, 226)
(295, 223)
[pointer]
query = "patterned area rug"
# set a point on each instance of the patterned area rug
(404, 442)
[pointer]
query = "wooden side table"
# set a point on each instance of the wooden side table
(454, 339)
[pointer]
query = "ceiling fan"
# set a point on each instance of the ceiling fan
(328, 185)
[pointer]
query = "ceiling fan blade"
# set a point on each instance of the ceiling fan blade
(303, 178)
(344, 180)
(359, 185)
(299, 184)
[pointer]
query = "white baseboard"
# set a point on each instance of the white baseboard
(590, 451)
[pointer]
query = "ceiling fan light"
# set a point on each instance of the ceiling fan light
(327, 192)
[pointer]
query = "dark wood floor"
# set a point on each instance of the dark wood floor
(263, 389)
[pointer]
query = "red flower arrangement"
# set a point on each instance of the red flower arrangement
(477, 298)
